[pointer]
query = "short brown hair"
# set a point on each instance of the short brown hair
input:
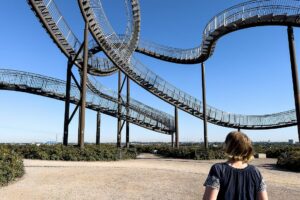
(238, 146)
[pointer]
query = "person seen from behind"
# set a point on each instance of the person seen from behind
(235, 179)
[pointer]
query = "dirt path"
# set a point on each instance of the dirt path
(148, 177)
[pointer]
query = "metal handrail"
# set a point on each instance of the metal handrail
(64, 28)
(57, 87)
(224, 18)
(71, 44)
(141, 73)
(134, 104)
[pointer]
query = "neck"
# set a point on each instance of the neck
(238, 164)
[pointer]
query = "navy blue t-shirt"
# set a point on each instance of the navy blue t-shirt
(233, 183)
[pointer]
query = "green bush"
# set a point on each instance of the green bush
(275, 152)
(73, 153)
(183, 152)
(11, 166)
(289, 160)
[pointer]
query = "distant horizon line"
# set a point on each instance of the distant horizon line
(136, 142)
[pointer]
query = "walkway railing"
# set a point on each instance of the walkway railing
(47, 86)
(64, 37)
(158, 86)
(238, 13)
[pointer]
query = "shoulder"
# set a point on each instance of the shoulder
(218, 168)
(219, 165)
(214, 176)
(254, 171)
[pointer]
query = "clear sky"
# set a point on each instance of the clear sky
(249, 72)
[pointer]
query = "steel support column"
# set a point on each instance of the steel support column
(172, 140)
(294, 75)
(83, 89)
(67, 103)
(176, 128)
(204, 106)
(119, 128)
(98, 128)
(127, 111)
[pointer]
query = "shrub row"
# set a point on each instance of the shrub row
(73, 153)
(184, 152)
(11, 166)
(275, 150)
(198, 152)
(289, 160)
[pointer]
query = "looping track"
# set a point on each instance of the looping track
(249, 14)
(139, 113)
(245, 15)
(119, 51)
(58, 29)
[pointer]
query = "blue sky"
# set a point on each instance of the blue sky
(249, 72)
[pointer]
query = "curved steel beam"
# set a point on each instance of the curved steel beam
(63, 36)
(55, 88)
(68, 43)
(241, 16)
(269, 12)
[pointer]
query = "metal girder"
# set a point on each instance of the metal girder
(204, 106)
(98, 126)
(83, 89)
(294, 68)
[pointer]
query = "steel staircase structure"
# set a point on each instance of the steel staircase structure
(245, 15)
(139, 114)
(58, 29)
(54, 23)
(153, 113)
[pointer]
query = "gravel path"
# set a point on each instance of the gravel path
(148, 177)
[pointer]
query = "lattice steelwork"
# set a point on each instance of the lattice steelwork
(253, 13)
(101, 90)
(55, 88)
(49, 10)
(64, 37)
(119, 50)
(256, 13)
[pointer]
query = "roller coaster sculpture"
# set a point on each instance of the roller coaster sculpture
(119, 51)
(139, 113)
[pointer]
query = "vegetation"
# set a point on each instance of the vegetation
(288, 156)
(289, 160)
(189, 151)
(73, 153)
(274, 150)
(184, 152)
(11, 166)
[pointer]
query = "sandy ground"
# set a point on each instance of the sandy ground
(148, 177)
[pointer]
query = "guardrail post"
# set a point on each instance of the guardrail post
(204, 106)
(83, 89)
(98, 128)
(294, 75)
(176, 128)
(127, 111)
